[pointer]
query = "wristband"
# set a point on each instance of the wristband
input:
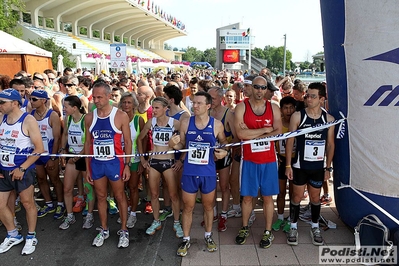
(288, 166)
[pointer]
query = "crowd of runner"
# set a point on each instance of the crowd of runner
(112, 136)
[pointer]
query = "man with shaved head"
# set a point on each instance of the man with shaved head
(256, 118)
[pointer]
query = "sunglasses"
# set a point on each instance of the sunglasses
(257, 87)
(34, 99)
(3, 102)
(69, 85)
(37, 87)
(312, 96)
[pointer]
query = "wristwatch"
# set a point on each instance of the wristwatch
(129, 164)
(329, 169)
(23, 170)
(53, 158)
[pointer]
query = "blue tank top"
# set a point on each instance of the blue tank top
(175, 116)
(13, 140)
(106, 138)
(310, 147)
(200, 162)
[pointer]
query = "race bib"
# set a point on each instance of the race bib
(200, 156)
(260, 146)
(314, 150)
(103, 150)
(161, 136)
(282, 143)
(7, 160)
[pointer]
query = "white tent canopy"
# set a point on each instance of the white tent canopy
(12, 45)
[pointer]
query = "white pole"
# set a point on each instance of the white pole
(285, 53)
(249, 55)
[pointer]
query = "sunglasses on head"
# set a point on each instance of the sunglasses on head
(262, 87)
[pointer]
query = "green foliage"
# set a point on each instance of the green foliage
(48, 44)
(9, 18)
(304, 65)
(50, 23)
(83, 31)
(193, 55)
(96, 34)
(210, 56)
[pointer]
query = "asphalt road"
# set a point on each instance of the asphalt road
(73, 246)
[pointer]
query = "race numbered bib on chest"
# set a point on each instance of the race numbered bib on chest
(199, 156)
(282, 143)
(7, 160)
(103, 150)
(260, 146)
(314, 150)
(161, 136)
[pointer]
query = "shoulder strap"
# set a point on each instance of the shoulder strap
(136, 123)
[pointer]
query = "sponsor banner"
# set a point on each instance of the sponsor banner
(372, 61)
(369, 255)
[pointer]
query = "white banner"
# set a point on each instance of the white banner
(372, 61)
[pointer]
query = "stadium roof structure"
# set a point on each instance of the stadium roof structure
(132, 19)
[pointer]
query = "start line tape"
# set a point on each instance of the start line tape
(287, 135)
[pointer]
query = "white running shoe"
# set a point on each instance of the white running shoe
(30, 245)
(100, 237)
(88, 222)
(123, 239)
(131, 221)
(9, 242)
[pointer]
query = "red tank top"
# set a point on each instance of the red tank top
(263, 151)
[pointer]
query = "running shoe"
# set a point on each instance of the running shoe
(30, 245)
(286, 227)
(210, 244)
(45, 210)
(148, 208)
(325, 200)
(267, 239)
(123, 239)
(100, 237)
(222, 225)
(292, 237)
(215, 219)
(316, 237)
(277, 225)
(241, 238)
(86, 209)
(183, 247)
(252, 219)
(165, 214)
(9, 242)
(60, 212)
(178, 229)
(67, 222)
(156, 225)
(131, 221)
(112, 209)
(234, 213)
(88, 222)
(79, 205)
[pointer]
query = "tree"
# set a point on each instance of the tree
(258, 53)
(193, 55)
(48, 44)
(209, 56)
(304, 65)
(9, 16)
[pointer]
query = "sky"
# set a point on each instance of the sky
(268, 20)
